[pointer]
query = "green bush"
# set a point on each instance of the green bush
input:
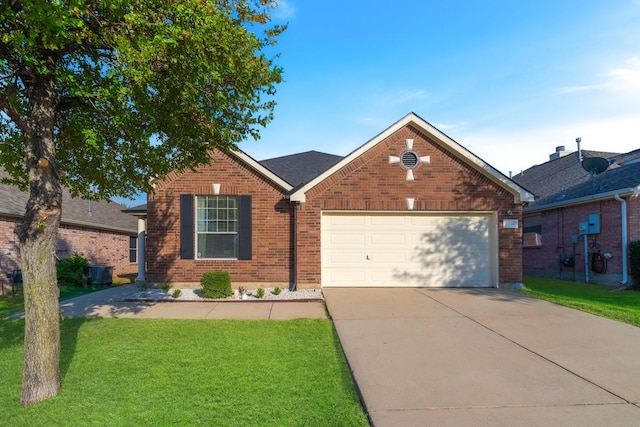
(260, 293)
(634, 262)
(71, 270)
(216, 284)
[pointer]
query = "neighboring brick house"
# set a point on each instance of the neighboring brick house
(575, 208)
(411, 207)
(100, 231)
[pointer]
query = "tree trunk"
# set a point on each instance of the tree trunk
(41, 375)
(38, 237)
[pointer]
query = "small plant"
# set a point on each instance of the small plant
(216, 284)
(242, 290)
(176, 293)
(70, 271)
(277, 291)
(143, 287)
(165, 287)
(260, 293)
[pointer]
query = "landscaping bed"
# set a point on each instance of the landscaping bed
(156, 294)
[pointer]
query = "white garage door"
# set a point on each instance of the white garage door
(411, 250)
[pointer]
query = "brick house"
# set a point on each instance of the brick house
(580, 225)
(99, 231)
(411, 207)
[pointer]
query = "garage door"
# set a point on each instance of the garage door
(411, 250)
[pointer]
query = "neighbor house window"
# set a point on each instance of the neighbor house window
(217, 226)
(133, 249)
(532, 231)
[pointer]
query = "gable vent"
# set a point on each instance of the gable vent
(409, 159)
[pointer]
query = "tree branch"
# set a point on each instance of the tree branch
(8, 108)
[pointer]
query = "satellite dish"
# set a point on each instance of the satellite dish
(595, 165)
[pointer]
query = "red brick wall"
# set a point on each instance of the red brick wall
(558, 225)
(368, 183)
(271, 226)
(371, 183)
(99, 247)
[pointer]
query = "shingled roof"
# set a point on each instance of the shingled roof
(102, 215)
(298, 169)
(565, 181)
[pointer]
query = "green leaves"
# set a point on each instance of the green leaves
(141, 87)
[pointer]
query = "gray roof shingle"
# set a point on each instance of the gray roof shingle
(564, 179)
(298, 169)
(103, 215)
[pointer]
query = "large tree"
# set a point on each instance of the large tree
(102, 97)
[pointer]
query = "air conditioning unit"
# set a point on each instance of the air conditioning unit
(101, 274)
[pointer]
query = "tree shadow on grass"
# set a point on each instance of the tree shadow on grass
(12, 335)
(69, 328)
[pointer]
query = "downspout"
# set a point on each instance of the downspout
(294, 269)
(625, 243)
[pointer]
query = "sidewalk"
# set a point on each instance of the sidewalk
(109, 303)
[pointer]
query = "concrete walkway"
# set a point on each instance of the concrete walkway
(109, 303)
(462, 357)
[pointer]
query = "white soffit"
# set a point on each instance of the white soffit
(521, 195)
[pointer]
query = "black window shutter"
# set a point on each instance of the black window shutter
(187, 231)
(244, 227)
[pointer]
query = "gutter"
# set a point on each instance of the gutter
(632, 191)
(625, 243)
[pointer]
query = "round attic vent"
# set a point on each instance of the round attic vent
(409, 159)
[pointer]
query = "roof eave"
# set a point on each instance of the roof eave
(261, 169)
(623, 192)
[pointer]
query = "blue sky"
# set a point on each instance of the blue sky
(509, 80)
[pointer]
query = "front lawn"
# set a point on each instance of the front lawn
(125, 372)
(622, 305)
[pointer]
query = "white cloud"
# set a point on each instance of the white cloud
(626, 77)
(574, 89)
(519, 150)
(284, 10)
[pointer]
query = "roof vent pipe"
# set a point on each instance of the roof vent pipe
(623, 216)
(578, 141)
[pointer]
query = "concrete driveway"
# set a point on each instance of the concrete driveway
(458, 357)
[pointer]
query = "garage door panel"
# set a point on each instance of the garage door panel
(407, 250)
(341, 258)
(387, 239)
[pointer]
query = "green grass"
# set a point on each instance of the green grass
(621, 305)
(127, 372)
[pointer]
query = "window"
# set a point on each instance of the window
(133, 249)
(217, 226)
(220, 227)
(532, 231)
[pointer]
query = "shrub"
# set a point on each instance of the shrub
(277, 291)
(260, 293)
(176, 293)
(165, 287)
(216, 284)
(634, 262)
(71, 270)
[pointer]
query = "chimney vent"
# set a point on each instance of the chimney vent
(560, 152)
